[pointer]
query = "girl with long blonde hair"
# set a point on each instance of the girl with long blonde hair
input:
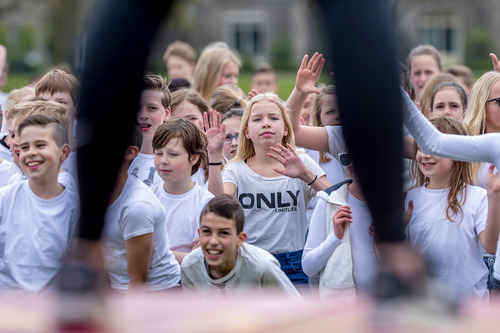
(270, 179)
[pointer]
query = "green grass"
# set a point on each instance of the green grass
(286, 81)
(17, 80)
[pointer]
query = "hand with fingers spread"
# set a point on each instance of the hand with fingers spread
(293, 165)
(342, 216)
(495, 62)
(214, 131)
(309, 73)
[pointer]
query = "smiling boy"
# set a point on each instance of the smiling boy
(224, 263)
(38, 216)
(154, 110)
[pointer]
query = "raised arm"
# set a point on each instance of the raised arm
(489, 236)
(479, 148)
(214, 132)
(308, 74)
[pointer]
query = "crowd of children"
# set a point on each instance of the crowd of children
(222, 192)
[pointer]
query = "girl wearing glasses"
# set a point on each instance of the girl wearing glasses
(342, 251)
(272, 182)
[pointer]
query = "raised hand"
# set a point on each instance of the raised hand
(492, 183)
(342, 216)
(252, 94)
(293, 165)
(309, 73)
(214, 131)
(495, 62)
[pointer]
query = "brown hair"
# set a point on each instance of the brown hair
(59, 131)
(425, 100)
(158, 83)
(193, 140)
(226, 206)
(462, 171)
(450, 85)
(57, 80)
(190, 96)
(182, 50)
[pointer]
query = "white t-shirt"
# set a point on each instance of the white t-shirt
(70, 166)
(183, 215)
(337, 145)
(5, 153)
(5, 172)
(256, 270)
(320, 245)
(143, 168)
(137, 212)
(452, 249)
(34, 236)
(275, 207)
(334, 174)
(475, 148)
(199, 177)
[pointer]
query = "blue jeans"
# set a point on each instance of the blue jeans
(490, 262)
(291, 264)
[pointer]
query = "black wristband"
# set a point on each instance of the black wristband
(219, 163)
(315, 177)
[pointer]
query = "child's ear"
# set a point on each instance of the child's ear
(241, 238)
(246, 133)
(131, 153)
(167, 114)
(193, 159)
(198, 232)
(65, 152)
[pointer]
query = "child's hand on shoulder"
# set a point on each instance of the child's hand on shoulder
(342, 216)
(309, 73)
(492, 182)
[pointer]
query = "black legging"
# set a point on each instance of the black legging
(363, 54)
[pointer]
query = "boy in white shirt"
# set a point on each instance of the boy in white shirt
(38, 217)
(225, 264)
(154, 109)
(180, 149)
(136, 247)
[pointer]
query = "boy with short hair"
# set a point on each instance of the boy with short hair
(136, 247)
(63, 88)
(39, 216)
(224, 263)
(180, 149)
(16, 115)
(154, 110)
(264, 79)
(180, 59)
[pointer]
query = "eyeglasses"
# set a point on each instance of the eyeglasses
(229, 138)
(345, 159)
(494, 99)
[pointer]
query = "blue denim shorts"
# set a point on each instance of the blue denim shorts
(490, 262)
(291, 264)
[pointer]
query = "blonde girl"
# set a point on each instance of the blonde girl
(272, 182)
(451, 221)
(228, 97)
(217, 65)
